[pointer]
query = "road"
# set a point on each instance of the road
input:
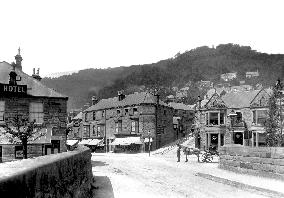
(138, 175)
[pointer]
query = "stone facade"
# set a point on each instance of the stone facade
(232, 118)
(130, 119)
(35, 102)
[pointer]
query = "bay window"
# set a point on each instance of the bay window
(259, 116)
(215, 118)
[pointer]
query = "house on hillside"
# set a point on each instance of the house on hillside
(229, 76)
(183, 118)
(24, 96)
(129, 123)
(236, 117)
(252, 74)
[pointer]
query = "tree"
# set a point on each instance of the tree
(273, 127)
(20, 128)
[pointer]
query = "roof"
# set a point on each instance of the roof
(78, 116)
(35, 87)
(239, 99)
(181, 106)
(132, 99)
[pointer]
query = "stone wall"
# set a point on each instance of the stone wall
(255, 160)
(66, 174)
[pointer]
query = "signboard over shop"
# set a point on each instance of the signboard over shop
(13, 90)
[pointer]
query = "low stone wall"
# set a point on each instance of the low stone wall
(67, 174)
(269, 161)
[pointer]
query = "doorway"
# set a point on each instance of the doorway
(238, 138)
(214, 141)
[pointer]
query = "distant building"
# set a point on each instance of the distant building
(204, 84)
(229, 76)
(126, 122)
(183, 118)
(25, 96)
(252, 74)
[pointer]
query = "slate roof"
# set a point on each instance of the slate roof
(35, 88)
(239, 99)
(132, 99)
(79, 116)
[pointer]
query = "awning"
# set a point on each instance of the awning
(126, 141)
(72, 142)
(84, 141)
(94, 142)
(257, 129)
(146, 140)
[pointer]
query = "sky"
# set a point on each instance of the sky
(66, 35)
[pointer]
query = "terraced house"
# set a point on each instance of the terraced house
(130, 122)
(233, 118)
(25, 96)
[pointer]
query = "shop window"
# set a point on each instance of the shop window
(259, 116)
(2, 110)
(36, 112)
(100, 131)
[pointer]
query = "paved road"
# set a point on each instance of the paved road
(137, 175)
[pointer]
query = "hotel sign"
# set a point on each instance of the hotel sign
(15, 90)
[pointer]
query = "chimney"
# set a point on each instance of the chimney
(19, 59)
(13, 76)
(121, 96)
(94, 100)
(199, 102)
(36, 75)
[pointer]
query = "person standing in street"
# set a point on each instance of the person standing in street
(178, 152)
(186, 154)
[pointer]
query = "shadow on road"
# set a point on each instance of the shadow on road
(99, 163)
(103, 187)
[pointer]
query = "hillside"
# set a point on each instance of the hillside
(203, 63)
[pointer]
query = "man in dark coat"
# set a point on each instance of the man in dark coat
(178, 152)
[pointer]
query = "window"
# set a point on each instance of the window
(103, 113)
(118, 126)
(100, 131)
(86, 117)
(94, 130)
(2, 110)
(215, 118)
(135, 111)
(118, 111)
(259, 116)
(94, 115)
(125, 111)
(134, 126)
(36, 112)
(87, 131)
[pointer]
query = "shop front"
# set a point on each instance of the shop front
(127, 144)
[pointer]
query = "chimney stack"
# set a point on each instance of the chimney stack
(36, 75)
(94, 100)
(19, 59)
(121, 96)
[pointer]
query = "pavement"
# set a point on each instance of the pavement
(269, 187)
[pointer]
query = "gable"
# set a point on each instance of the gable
(260, 100)
(215, 102)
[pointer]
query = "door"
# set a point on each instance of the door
(238, 138)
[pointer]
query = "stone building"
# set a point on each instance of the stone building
(130, 122)
(183, 118)
(234, 118)
(25, 96)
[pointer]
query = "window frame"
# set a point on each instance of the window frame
(255, 117)
(219, 123)
(2, 110)
(35, 114)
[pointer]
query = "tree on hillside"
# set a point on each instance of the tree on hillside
(273, 126)
(20, 128)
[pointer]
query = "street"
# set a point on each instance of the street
(138, 175)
